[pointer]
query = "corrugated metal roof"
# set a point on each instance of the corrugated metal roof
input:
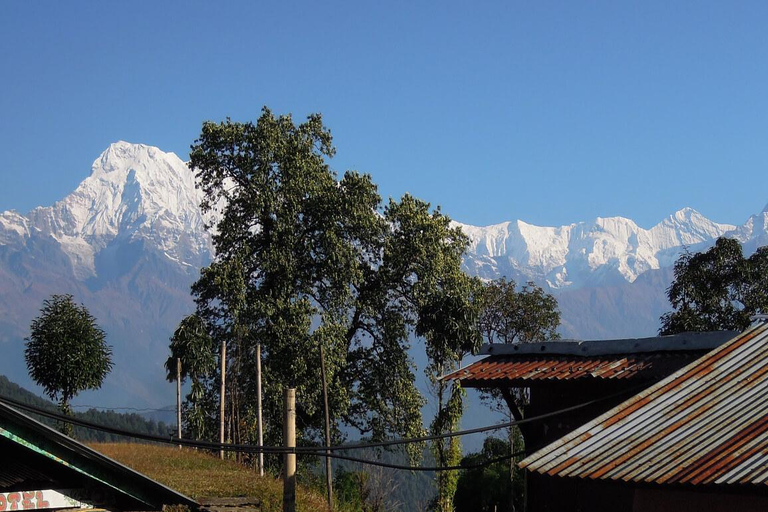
(642, 358)
(705, 424)
(526, 369)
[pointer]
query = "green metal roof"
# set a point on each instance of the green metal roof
(34, 454)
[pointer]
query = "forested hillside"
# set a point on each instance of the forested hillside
(131, 422)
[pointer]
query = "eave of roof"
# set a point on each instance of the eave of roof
(100, 469)
(706, 424)
(528, 370)
(524, 364)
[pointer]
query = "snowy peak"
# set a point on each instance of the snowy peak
(753, 233)
(120, 157)
(135, 192)
(138, 193)
(691, 226)
(611, 248)
(130, 185)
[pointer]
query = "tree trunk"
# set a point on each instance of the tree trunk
(178, 398)
(258, 406)
(66, 428)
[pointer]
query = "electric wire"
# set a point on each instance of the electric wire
(306, 451)
(172, 439)
(389, 465)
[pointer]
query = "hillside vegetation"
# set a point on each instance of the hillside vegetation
(131, 422)
(198, 475)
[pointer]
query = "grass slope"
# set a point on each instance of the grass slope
(201, 475)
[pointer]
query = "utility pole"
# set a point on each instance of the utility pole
(328, 468)
(289, 436)
(178, 398)
(258, 407)
(223, 392)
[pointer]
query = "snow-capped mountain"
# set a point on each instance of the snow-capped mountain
(128, 243)
(135, 192)
(585, 253)
(130, 240)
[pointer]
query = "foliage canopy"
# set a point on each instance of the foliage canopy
(718, 289)
(66, 351)
(305, 259)
(488, 489)
(509, 315)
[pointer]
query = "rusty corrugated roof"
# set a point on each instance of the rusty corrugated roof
(705, 424)
(510, 369)
(523, 364)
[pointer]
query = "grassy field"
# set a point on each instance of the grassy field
(201, 475)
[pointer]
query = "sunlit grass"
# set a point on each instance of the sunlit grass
(199, 474)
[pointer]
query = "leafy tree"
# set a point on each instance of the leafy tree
(717, 289)
(511, 316)
(487, 489)
(351, 489)
(448, 322)
(193, 345)
(66, 351)
(304, 259)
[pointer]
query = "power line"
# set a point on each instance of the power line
(240, 448)
(306, 450)
(418, 468)
(137, 409)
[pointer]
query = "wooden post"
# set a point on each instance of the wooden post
(258, 408)
(328, 468)
(223, 393)
(178, 398)
(511, 464)
(289, 436)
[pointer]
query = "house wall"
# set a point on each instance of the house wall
(556, 494)
(546, 398)
(663, 500)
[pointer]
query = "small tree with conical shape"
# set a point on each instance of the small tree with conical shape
(66, 351)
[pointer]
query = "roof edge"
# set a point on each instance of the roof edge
(676, 342)
(68, 447)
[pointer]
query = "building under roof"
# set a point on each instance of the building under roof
(565, 374)
(41, 468)
(562, 374)
(696, 440)
(525, 364)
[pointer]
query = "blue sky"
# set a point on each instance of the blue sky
(550, 112)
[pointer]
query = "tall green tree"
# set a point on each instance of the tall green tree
(305, 258)
(718, 289)
(66, 351)
(509, 315)
(487, 488)
(448, 323)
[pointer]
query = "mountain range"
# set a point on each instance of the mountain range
(130, 240)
